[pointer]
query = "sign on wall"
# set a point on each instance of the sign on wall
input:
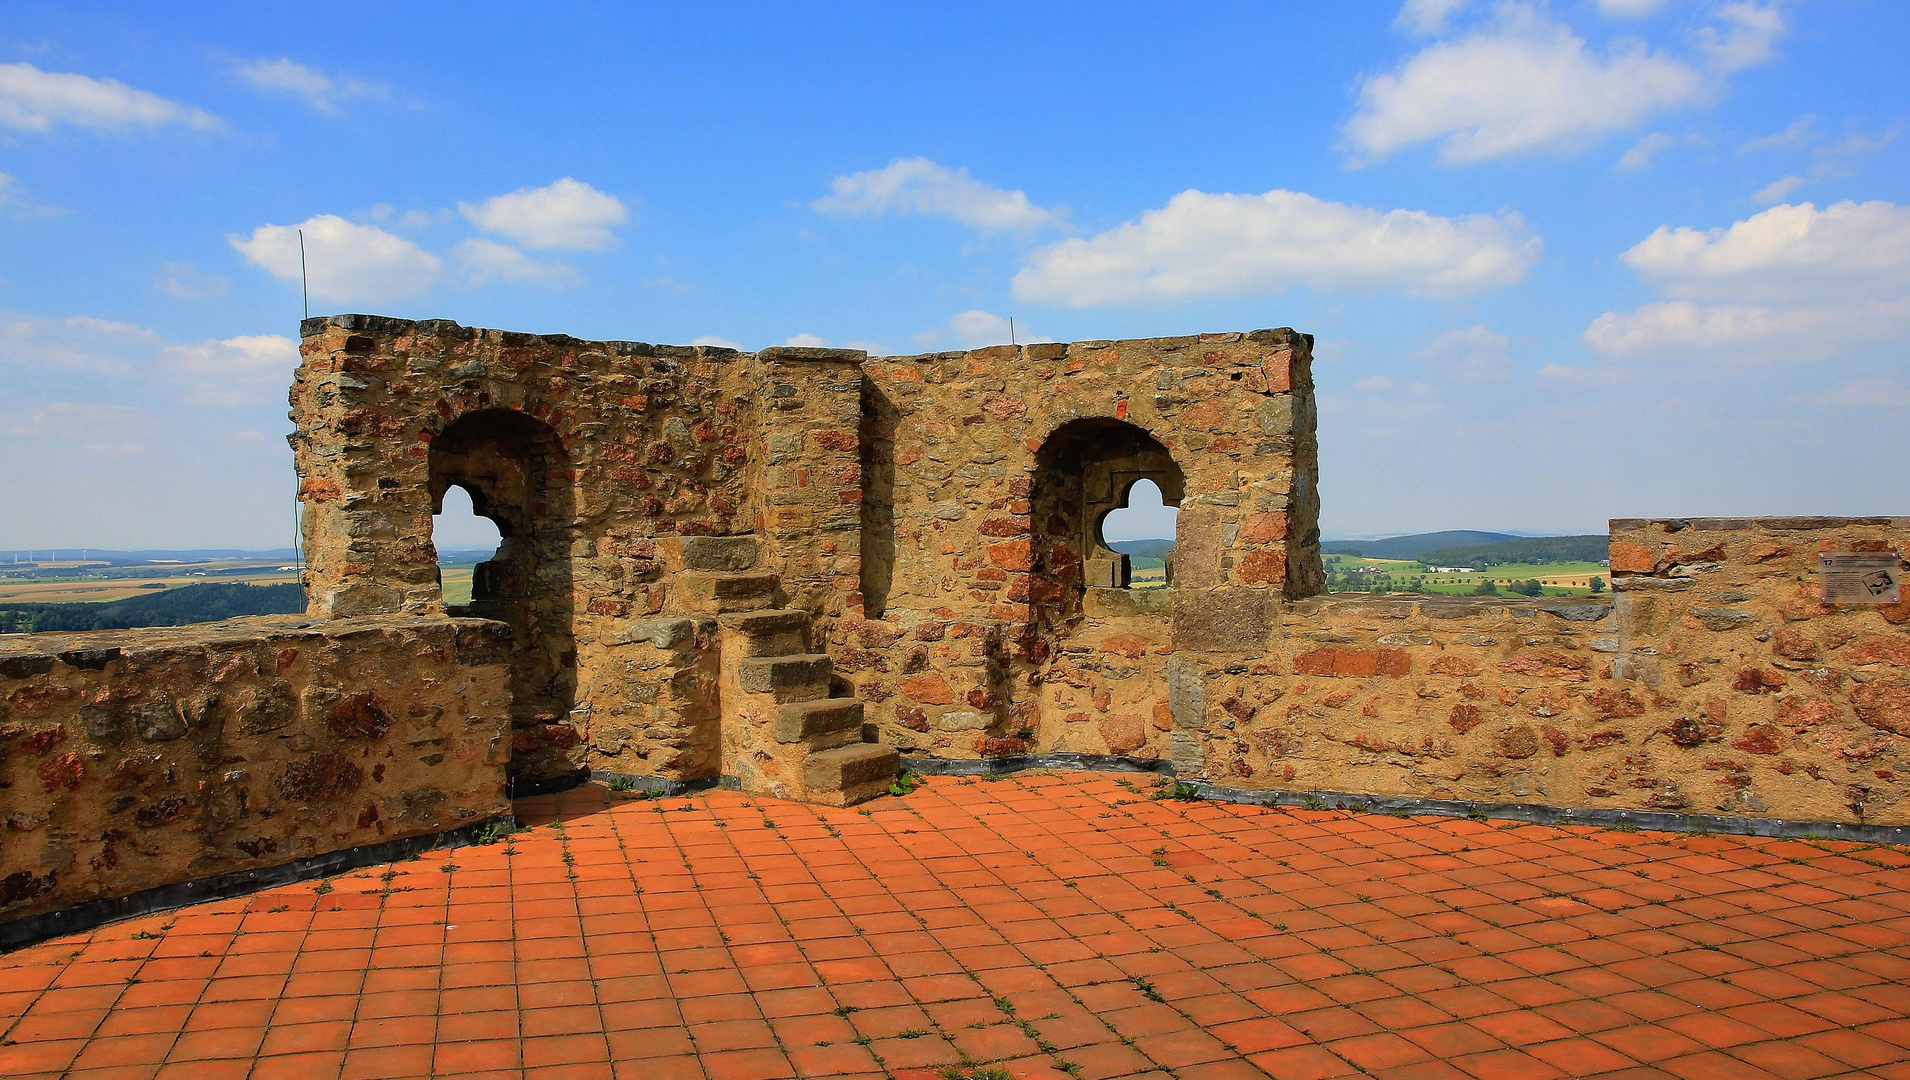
(1859, 578)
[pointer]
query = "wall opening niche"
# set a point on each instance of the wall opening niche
(1085, 473)
(1142, 529)
(463, 538)
(515, 472)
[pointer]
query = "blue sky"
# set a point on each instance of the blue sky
(1566, 261)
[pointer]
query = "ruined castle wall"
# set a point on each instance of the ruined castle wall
(975, 540)
(1716, 683)
(141, 758)
(611, 452)
(937, 515)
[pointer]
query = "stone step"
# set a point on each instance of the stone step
(725, 592)
(802, 677)
(776, 632)
(850, 774)
(724, 554)
(823, 723)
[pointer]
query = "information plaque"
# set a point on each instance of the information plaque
(1859, 578)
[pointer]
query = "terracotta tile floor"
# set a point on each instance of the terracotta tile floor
(1048, 925)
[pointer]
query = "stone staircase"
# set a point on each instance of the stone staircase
(789, 728)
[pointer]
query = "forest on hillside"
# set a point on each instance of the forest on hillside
(1523, 550)
(207, 602)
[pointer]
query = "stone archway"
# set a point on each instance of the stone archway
(517, 473)
(1083, 472)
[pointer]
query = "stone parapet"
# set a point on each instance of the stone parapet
(132, 760)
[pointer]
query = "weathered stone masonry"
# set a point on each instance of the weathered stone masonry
(136, 759)
(784, 568)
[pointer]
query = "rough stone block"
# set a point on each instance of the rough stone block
(807, 721)
(1126, 603)
(355, 601)
(770, 633)
(850, 774)
(723, 592)
(719, 553)
(1228, 620)
(802, 677)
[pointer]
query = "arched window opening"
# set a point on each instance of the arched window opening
(464, 538)
(1086, 472)
(514, 471)
(1142, 528)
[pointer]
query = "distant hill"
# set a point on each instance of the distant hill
(1411, 547)
(134, 558)
(1144, 549)
(173, 607)
(460, 556)
(1537, 549)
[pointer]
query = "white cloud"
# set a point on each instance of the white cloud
(65, 421)
(1801, 132)
(919, 186)
(320, 91)
(807, 341)
(566, 214)
(236, 371)
(1427, 17)
(35, 100)
(484, 260)
(1784, 254)
(81, 343)
(1866, 393)
(1679, 328)
(1629, 9)
(234, 357)
(1472, 354)
(1639, 156)
(111, 327)
(978, 329)
(1748, 36)
(1201, 244)
(1776, 190)
(1827, 162)
(1375, 384)
(188, 282)
(1680, 324)
(385, 213)
(1788, 283)
(240, 370)
(1522, 83)
(719, 342)
(17, 205)
(347, 262)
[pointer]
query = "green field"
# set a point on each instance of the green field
(1348, 573)
(457, 582)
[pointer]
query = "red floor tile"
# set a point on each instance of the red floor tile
(1023, 921)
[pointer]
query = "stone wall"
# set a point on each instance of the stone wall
(937, 518)
(136, 759)
(597, 459)
(991, 471)
(1716, 683)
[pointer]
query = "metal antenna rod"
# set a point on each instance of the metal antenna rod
(304, 287)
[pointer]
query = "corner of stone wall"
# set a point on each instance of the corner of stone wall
(140, 759)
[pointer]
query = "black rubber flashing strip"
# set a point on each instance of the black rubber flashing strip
(548, 785)
(663, 789)
(984, 766)
(33, 929)
(1537, 814)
